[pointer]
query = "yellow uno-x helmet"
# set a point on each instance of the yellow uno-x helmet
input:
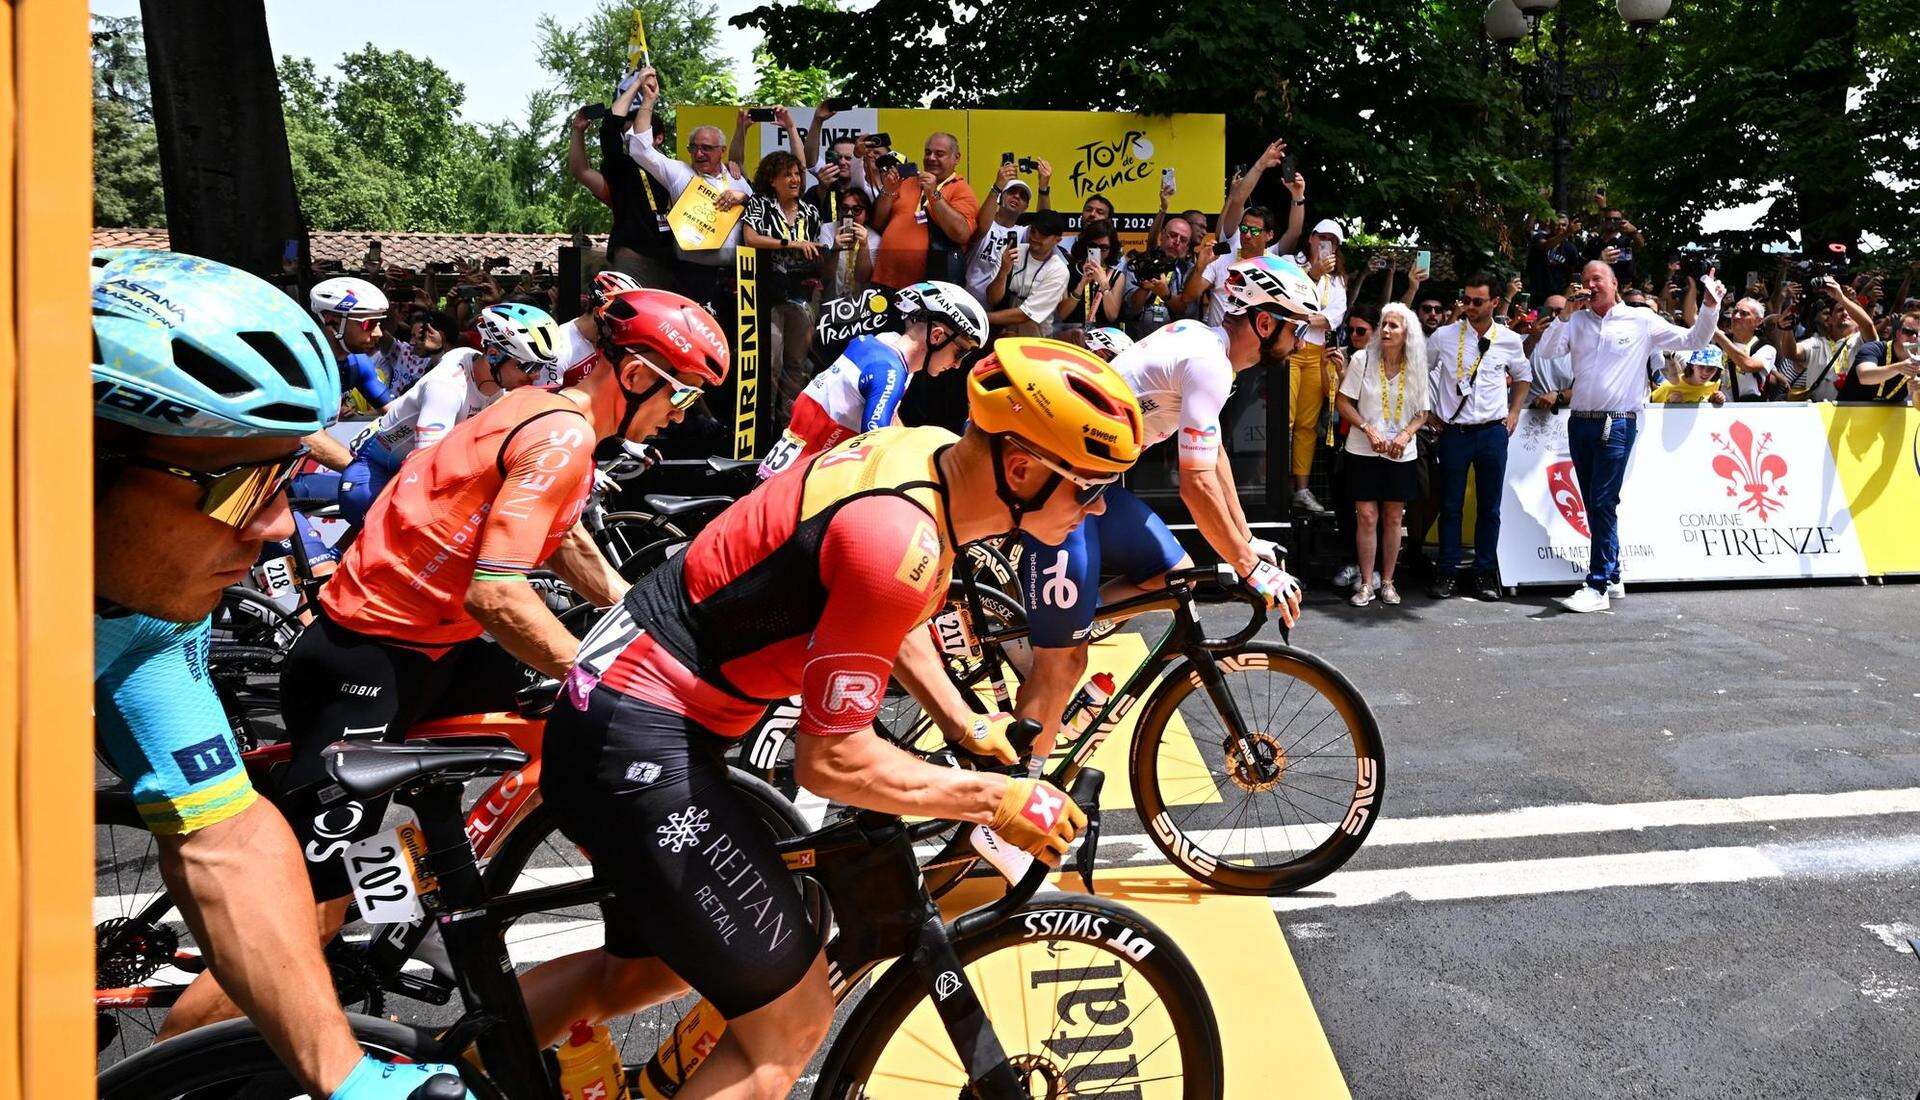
(1059, 399)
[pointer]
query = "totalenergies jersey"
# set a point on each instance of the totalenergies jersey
(806, 586)
(496, 494)
(858, 393)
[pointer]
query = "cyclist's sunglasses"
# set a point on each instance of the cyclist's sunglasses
(1086, 489)
(680, 396)
(235, 495)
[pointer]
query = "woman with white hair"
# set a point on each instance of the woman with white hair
(1312, 380)
(1385, 398)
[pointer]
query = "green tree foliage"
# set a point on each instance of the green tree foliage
(126, 152)
(1403, 115)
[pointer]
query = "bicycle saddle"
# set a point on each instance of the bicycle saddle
(669, 505)
(728, 465)
(369, 770)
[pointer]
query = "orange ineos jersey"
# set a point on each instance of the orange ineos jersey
(496, 494)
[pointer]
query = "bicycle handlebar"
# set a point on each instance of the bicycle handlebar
(1084, 792)
(1181, 582)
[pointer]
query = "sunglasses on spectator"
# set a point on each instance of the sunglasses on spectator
(1252, 230)
(234, 495)
(1086, 488)
(1476, 301)
(1910, 333)
(1359, 330)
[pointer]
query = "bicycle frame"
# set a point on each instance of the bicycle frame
(1182, 639)
(864, 861)
(494, 814)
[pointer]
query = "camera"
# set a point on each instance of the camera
(901, 165)
(1029, 166)
(837, 103)
(596, 111)
(882, 140)
(1149, 263)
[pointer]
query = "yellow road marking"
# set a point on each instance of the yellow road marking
(1269, 1030)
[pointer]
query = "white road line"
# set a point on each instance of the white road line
(1520, 877)
(1527, 821)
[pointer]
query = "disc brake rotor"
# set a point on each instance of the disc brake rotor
(1038, 1068)
(127, 954)
(1256, 763)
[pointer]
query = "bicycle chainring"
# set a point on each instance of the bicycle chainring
(1257, 763)
(127, 953)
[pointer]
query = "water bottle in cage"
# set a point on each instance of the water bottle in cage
(1085, 706)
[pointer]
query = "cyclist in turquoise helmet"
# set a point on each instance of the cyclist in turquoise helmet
(205, 379)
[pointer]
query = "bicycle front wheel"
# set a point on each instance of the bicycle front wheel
(1275, 804)
(1087, 998)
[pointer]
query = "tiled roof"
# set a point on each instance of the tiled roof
(414, 250)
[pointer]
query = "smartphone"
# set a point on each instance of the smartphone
(760, 114)
(1096, 254)
(1006, 158)
(1522, 300)
(596, 111)
(1289, 165)
(1424, 261)
(836, 103)
(1166, 180)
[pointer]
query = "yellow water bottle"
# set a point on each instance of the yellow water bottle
(590, 1067)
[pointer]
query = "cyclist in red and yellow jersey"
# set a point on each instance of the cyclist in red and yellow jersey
(444, 557)
(809, 585)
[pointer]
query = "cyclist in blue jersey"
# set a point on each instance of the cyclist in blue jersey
(862, 389)
(351, 312)
(205, 379)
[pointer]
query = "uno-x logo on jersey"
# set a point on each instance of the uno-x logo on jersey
(853, 693)
(1043, 809)
(1058, 590)
(916, 565)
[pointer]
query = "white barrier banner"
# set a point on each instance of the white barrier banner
(1746, 492)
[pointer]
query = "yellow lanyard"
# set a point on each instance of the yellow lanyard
(1399, 403)
(1460, 356)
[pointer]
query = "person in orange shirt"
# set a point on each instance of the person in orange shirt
(925, 220)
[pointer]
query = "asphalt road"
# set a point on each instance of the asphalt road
(1730, 945)
(1668, 850)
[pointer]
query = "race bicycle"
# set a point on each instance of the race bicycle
(1255, 766)
(1023, 996)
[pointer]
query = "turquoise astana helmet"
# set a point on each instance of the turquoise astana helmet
(186, 346)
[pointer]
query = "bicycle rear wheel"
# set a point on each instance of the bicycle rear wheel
(231, 1061)
(536, 854)
(1278, 810)
(1087, 998)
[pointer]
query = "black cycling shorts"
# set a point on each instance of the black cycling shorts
(697, 880)
(339, 684)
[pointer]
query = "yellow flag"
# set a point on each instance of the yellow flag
(637, 52)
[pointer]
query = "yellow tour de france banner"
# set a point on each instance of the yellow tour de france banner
(698, 224)
(1110, 153)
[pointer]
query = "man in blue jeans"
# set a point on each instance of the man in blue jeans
(1479, 381)
(1609, 344)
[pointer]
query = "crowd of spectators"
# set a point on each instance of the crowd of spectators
(1379, 392)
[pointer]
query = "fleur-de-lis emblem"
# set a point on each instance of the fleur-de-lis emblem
(1565, 488)
(1754, 474)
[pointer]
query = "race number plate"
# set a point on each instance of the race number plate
(275, 577)
(953, 633)
(386, 876)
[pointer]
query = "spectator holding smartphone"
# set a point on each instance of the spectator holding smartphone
(1093, 296)
(1814, 366)
(1616, 244)
(640, 243)
(1031, 281)
(1754, 362)
(925, 221)
(788, 231)
(997, 228)
(1888, 372)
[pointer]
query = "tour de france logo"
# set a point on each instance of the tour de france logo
(1755, 474)
(1565, 489)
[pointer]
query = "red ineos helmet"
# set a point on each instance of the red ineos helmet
(680, 336)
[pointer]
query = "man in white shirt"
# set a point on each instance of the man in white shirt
(1031, 280)
(1753, 360)
(1479, 377)
(1609, 345)
(1815, 366)
(706, 276)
